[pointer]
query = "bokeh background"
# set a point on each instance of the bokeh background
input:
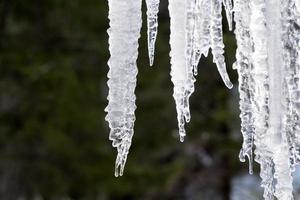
(54, 139)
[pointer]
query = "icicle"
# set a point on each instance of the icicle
(268, 79)
(244, 66)
(228, 8)
(217, 44)
(179, 69)
(208, 34)
(291, 39)
(259, 32)
(277, 143)
(152, 11)
(203, 30)
(267, 61)
(190, 29)
(124, 32)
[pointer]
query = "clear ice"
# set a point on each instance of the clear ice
(267, 61)
(179, 69)
(196, 27)
(124, 32)
(152, 11)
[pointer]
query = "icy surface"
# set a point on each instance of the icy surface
(152, 11)
(124, 32)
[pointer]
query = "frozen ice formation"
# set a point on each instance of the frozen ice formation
(196, 27)
(124, 32)
(267, 61)
(268, 38)
(152, 11)
(179, 68)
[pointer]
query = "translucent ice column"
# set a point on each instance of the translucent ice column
(124, 32)
(179, 69)
(268, 66)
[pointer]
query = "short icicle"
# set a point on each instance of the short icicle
(152, 22)
(217, 44)
(208, 34)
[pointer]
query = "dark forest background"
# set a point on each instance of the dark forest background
(54, 139)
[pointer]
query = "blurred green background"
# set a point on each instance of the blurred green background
(53, 136)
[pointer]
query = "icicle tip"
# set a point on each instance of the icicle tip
(151, 60)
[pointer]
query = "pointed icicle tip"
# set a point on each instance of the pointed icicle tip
(119, 166)
(151, 60)
(182, 133)
(181, 138)
(152, 23)
(229, 85)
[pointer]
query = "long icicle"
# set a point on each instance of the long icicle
(179, 69)
(263, 154)
(277, 142)
(268, 79)
(291, 39)
(244, 66)
(124, 32)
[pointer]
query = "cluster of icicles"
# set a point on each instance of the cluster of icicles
(268, 64)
